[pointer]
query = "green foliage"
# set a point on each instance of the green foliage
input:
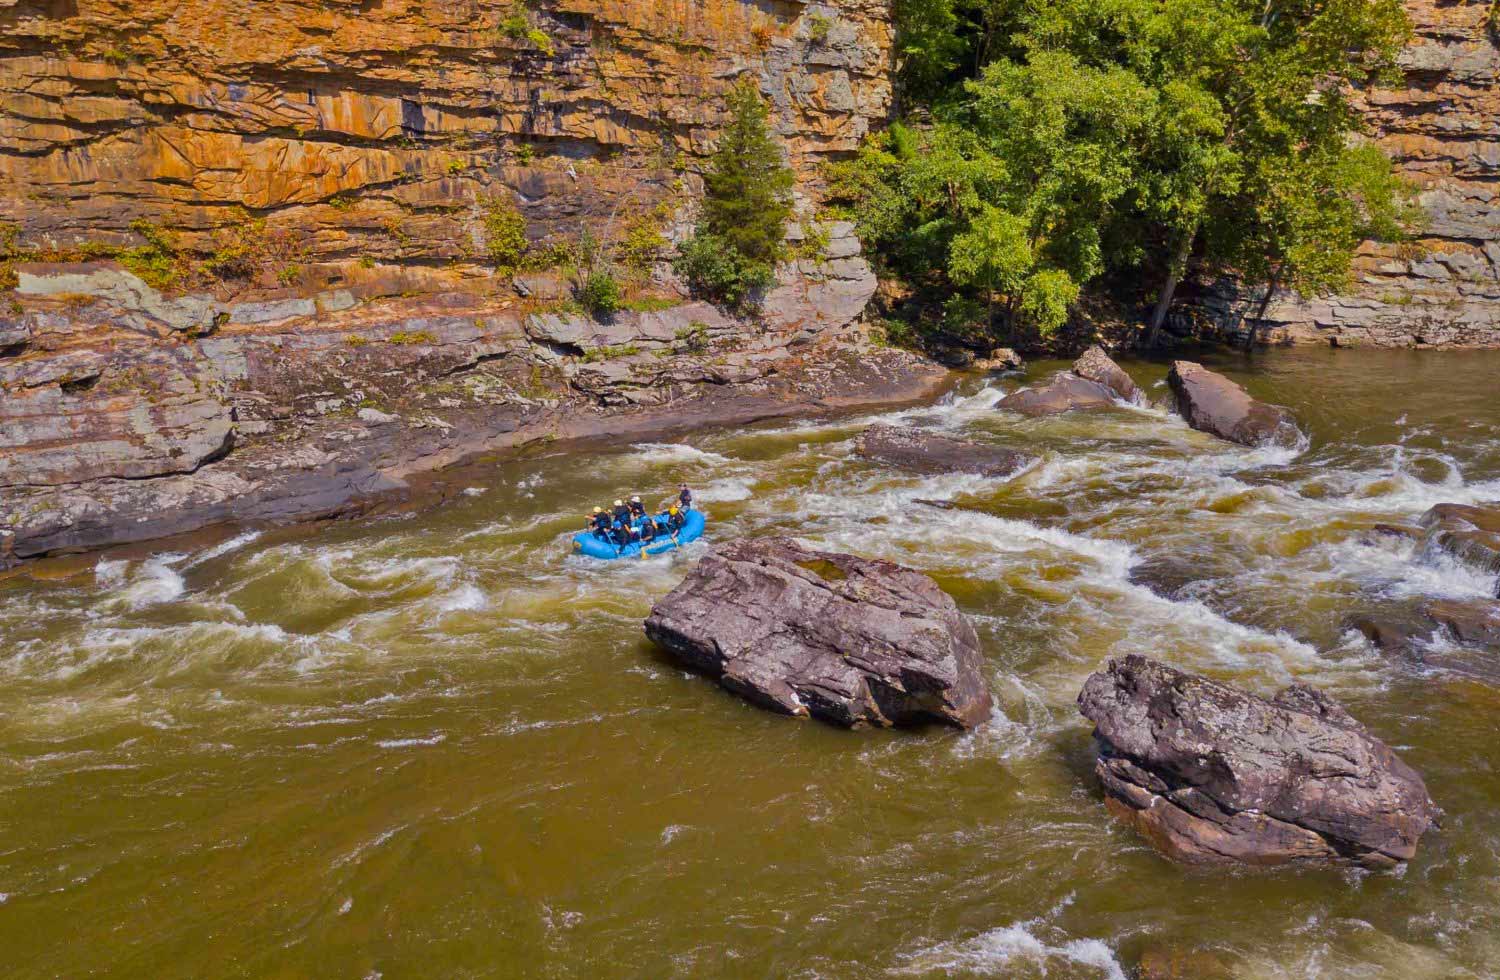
(713, 268)
(610, 353)
(747, 200)
(600, 294)
(10, 253)
(413, 337)
(643, 242)
(517, 26)
(818, 26)
(504, 232)
(1127, 137)
(158, 262)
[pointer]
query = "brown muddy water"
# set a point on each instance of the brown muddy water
(438, 746)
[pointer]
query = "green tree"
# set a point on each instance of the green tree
(1131, 136)
(741, 233)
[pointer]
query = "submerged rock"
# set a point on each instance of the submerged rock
(1210, 774)
(1065, 393)
(1470, 533)
(853, 641)
(1212, 403)
(928, 452)
(1095, 381)
(1457, 635)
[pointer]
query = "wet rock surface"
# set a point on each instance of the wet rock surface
(1094, 381)
(1469, 533)
(849, 640)
(929, 452)
(1459, 636)
(1097, 366)
(1212, 403)
(1211, 774)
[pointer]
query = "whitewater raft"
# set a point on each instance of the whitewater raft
(585, 543)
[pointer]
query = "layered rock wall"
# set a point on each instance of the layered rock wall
(1443, 130)
(378, 129)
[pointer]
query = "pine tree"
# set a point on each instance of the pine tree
(741, 234)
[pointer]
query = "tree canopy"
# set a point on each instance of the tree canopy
(1072, 139)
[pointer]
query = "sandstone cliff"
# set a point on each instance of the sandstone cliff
(1443, 130)
(249, 249)
(376, 130)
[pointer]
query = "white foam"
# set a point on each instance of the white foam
(150, 584)
(473, 491)
(465, 597)
(992, 952)
(224, 547)
(676, 452)
(405, 743)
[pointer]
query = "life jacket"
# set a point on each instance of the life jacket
(686, 497)
(648, 530)
(637, 509)
(622, 514)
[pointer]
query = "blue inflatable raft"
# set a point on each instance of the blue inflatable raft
(585, 543)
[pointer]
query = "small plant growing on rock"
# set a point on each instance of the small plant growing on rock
(504, 232)
(600, 294)
(159, 263)
(818, 26)
(517, 26)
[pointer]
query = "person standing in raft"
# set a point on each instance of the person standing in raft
(684, 497)
(622, 513)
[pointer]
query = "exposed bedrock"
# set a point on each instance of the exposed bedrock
(1094, 381)
(1210, 774)
(1469, 533)
(1212, 403)
(853, 641)
(928, 452)
(119, 424)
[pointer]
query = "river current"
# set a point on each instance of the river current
(438, 744)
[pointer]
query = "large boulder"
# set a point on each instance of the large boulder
(853, 641)
(1099, 367)
(927, 452)
(1095, 381)
(1210, 774)
(1212, 403)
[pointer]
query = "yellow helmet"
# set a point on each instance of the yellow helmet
(672, 509)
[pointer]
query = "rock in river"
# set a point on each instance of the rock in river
(1470, 533)
(1210, 774)
(1212, 403)
(853, 641)
(927, 452)
(1095, 381)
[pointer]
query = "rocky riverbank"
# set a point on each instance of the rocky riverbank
(128, 415)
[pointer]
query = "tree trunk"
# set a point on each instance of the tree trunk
(1265, 304)
(1169, 288)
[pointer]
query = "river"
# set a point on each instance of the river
(437, 744)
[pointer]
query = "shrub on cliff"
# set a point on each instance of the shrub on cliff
(741, 234)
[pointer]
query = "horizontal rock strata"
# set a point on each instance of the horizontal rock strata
(852, 641)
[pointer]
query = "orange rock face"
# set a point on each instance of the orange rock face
(373, 130)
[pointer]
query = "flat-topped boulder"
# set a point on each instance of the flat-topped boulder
(929, 452)
(1212, 403)
(853, 641)
(1213, 775)
(1094, 381)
